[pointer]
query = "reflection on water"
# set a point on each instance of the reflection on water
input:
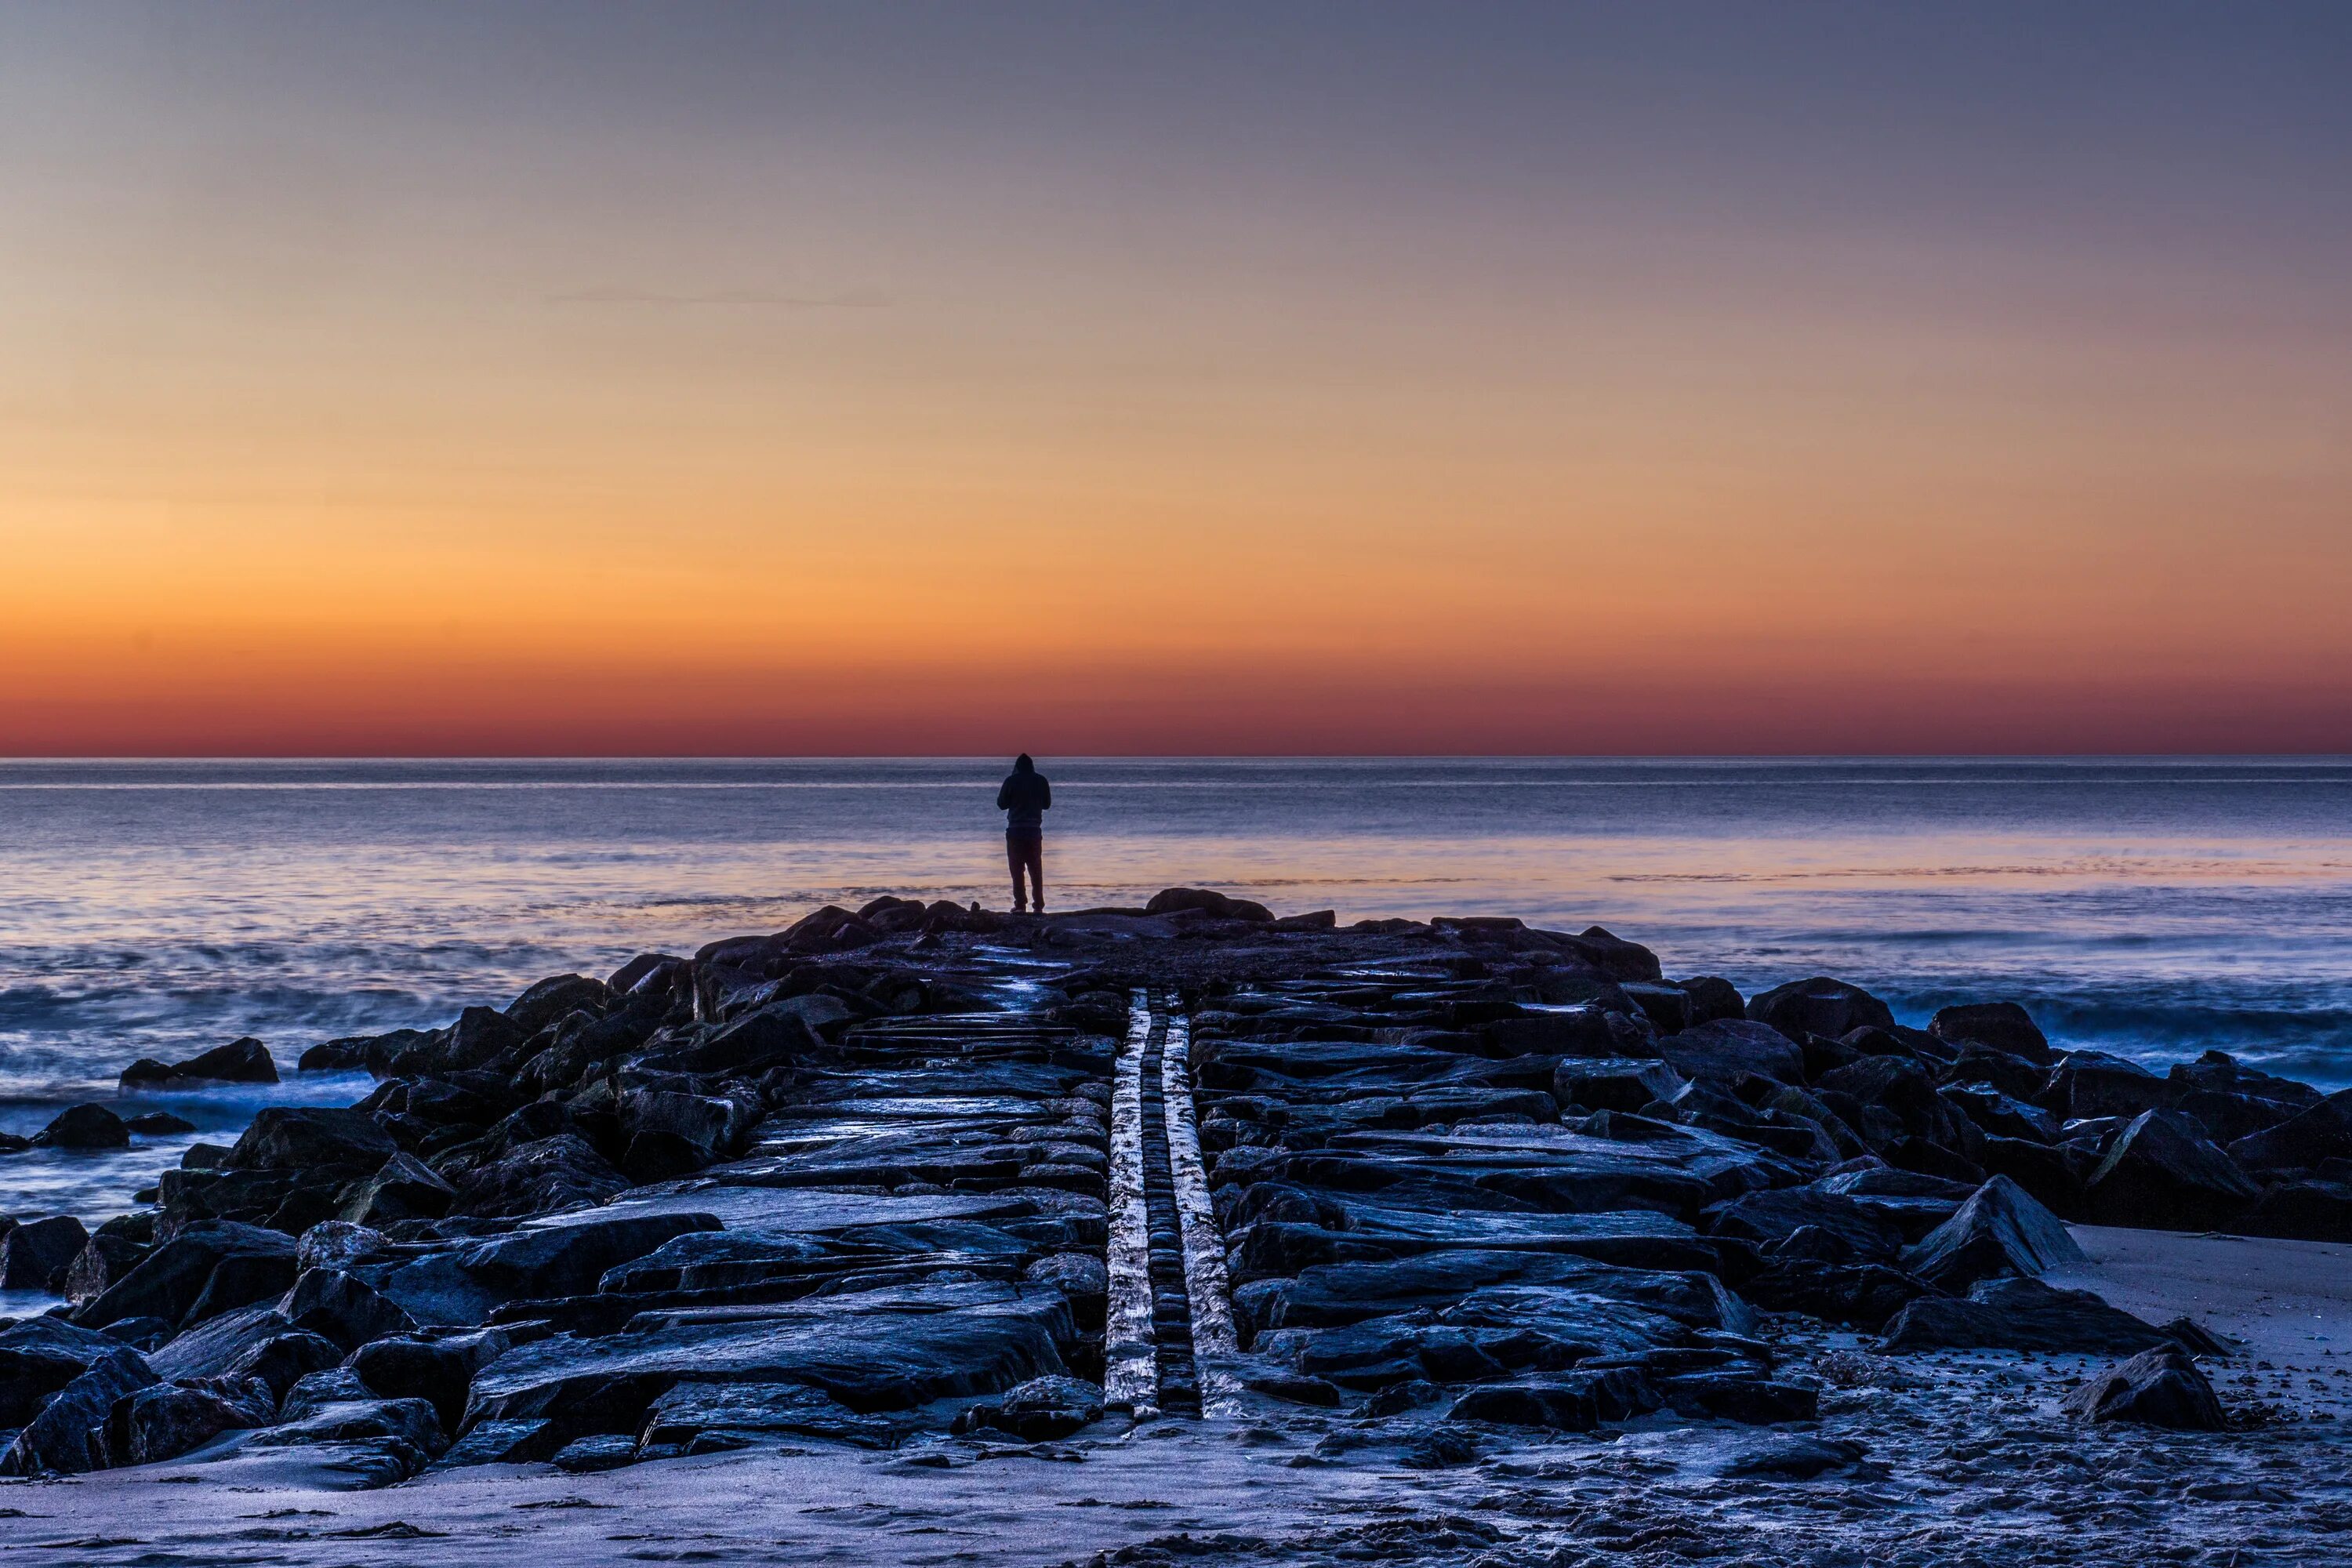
(158, 909)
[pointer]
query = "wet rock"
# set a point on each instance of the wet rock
(337, 1243)
(1292, 1389)
(36, 1255)
(1738, 1396)
(2003, 1026)
(159, 1124)
(340, 1306)
(1794, 1459)
(714, 1259)
(210, 1349)
(699, 1417)
(2003, 1116)
(1568, 1402)
(404, 1187)
(506, 1443)
(1083, 1280)
(1201, 900)
(64, 1436)
(285, 1359)
(2085, 1085)
(1774, 1217)
(1605, 1085)
(1040, 1410)
(439, 1371)
(1713, 998)
(409, 1423)
(147, 1334)
(166, 1421)
(301, 1138)
(1863, 1295)
(241, 1061)
(2301, 1142)
(549, 1177)
(555, 997)
(2021, 1314)
(1731, 1049)
(177, 1280)
(571, 1260)
(84, 1127)
(872, 1349)
(587, 1455)
(39, 1356)
(2158, 1387)
(1819, 1005)
(2162, 1174)
(1999, 1231)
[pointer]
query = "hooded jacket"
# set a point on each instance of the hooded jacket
(1024, 798)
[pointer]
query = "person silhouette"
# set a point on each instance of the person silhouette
(1024, 798)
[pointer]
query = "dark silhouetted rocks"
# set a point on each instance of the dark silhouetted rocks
(2163, 1173)
(240, 1061)
(2158, 1387)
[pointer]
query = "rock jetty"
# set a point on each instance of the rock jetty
(917, 1171)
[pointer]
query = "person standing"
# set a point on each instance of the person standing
(1024, 799)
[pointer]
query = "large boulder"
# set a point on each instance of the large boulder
(556, 997)
(2323, 1131)
(1998, 1232)
(2158, 1387)
(39, 1356)
(168, 1419)
(84, 1127)
(2087, 1085)
(2163, 1173)
(240, 1061)
(208, 1268)
(569, 1259)
(548, 1176)
(1563, 1402)
(404, 1187)
(66, 1437)
(339, 1306)
(36, 1255)
(105, 1261)
(700, 1417)
(1040, 1410)
(285, 1359)
(2003, 1026)
(1713, 998)
(872, 1349)
(303, 1138)
(439, 1371)
(2021, 1314)
(1605, 1085)
(1204, 902)
(1819, 1005)
(1731, 1049)
(1773, 1217)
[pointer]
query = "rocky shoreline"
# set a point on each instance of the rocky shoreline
(914, 1184)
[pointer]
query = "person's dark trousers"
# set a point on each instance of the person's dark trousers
(1024, 850)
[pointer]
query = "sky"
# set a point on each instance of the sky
(682, 378)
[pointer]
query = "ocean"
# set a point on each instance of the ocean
(2153, 908)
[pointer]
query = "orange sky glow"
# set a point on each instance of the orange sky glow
(662, 408)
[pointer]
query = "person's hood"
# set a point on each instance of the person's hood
(1021, 764)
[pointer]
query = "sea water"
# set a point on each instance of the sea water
(2153, 908)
